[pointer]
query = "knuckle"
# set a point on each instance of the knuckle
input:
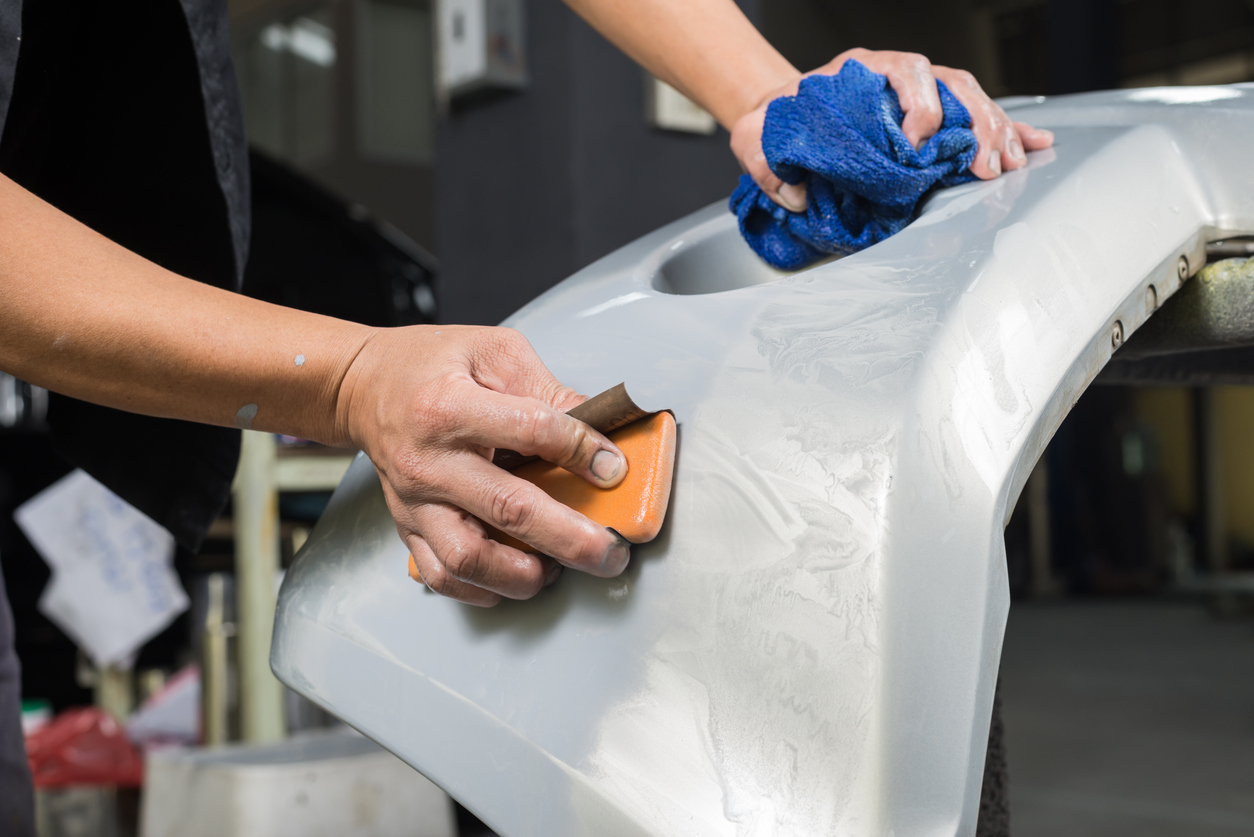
(413, 478)
(512, 336)
(574, 442)
(512, 509)
(762, 175)
(511, 343)
(563, 396)
(438, 580)
(549, 431)
(984, 121)
(994, 133)
(538, 427)
(465, 561)
(442, 409)
(500, 347)
(965, 79)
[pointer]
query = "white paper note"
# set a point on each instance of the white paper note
(112, 585)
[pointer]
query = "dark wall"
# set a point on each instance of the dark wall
(1083, 45)
(534, 185)
(401, 194)
(811, 32)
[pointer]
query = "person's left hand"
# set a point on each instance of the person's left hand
(1002, 142)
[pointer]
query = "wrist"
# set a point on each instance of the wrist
(788, 83)
(351, 416)
(756, 97)
(786, 87)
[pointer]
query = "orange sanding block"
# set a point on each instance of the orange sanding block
(636, 507)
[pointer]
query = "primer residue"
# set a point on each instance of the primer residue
(245, 415)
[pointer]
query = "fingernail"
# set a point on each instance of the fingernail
(1016, 150)
(605, 465)
(994, 162)
(794, 196)
(554, 573)
(617, 556)
(1044, 134)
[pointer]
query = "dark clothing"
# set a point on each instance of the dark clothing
(126, 116)
(17, 812)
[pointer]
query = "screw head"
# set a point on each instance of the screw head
(1182, 268)
(1116, 335)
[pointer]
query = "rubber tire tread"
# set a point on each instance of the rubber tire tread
(994, 817)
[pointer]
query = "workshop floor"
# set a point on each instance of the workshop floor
(1128, 717)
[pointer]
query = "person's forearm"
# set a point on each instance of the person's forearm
(707, 49)
(83, 316)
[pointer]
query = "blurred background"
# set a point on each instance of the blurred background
(515, 186)
(401, 176)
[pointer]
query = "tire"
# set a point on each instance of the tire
(994, 818)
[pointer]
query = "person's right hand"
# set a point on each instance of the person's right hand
(428, 405)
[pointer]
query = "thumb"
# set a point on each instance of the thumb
(746, 144)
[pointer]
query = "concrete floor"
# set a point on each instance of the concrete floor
(1128, 717)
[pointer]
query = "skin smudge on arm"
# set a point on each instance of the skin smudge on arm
(245, 415)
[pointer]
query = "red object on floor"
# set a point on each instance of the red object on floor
(84, 746)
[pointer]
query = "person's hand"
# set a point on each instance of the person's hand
(429, 404)
(1002, 142)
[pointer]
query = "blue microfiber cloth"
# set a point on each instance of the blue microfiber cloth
(841, 136)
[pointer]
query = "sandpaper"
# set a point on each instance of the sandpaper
(604, 413)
